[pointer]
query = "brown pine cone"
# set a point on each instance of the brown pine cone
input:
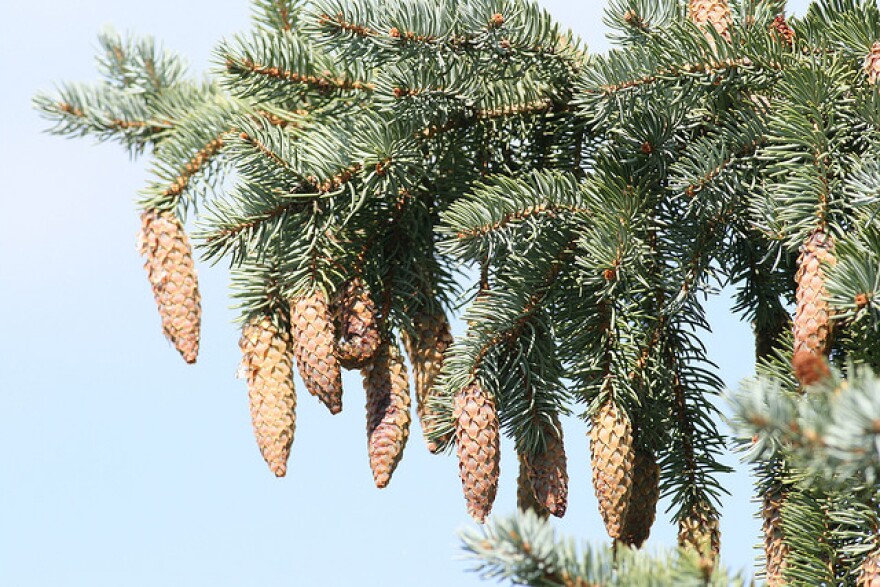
(714, 12)
(869, 575)
(775, 549)
(267, 362)
(548, 472)
(780, 28)
(314, 343)
(356, 318)
(525, 495)
(388, 414)
(425, 348)
(643, 499)
(611, 445)
(872, 63)
(812, 321)
(699, 531)
(479, 448)
(172, 274)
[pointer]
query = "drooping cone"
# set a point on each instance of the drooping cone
(775, 549)
(425, 348)
(548, 472)
(314, 340)
(872, 63)
(479, 448)
(525, 495)
(812, 321)
(267, 362)
(699, 531)
(172, 274)
(358, 327)
(611, 445)
(643, 499)
(869, 575)
(388, 414)
(713, 12)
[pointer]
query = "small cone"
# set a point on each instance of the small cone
(812, 321)
(267, 361)
(172, 274)
(358, 327)
(643, 499)
(872, 63)
(611, 445)
(775, 549)
(525, 495)
(548, 474)
(388, 414)
(779, 27)
(425, 349)
(313, 345)
(479, 454)
(699, 532)
(869, 574)
(713, 12)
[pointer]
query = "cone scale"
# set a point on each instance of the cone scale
(611, 445)
(812, 321)
(642, 510)
(547, 472)
(775, 549)
(314, 341)
(479, 450)
(713, 12)
(358, 335)
(699, 532)
(525, 494)
(869, 574)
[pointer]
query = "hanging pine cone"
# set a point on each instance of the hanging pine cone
(479, 448)
(869, 575)
(611, 445)
(714, 12)
(267, 362)
(356, 318)
(548, 472)
(872, 63)
(643, 499)
(388, 414)
(812, 321)
(775, 549)
(313, 345)
(525, 495)
(699, 531)
(425, 346)
(172, 274)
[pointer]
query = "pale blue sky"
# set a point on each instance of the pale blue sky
(120, 465)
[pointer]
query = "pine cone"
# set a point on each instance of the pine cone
(812, 321)
(425, 348)
(314, 341)
(775, 549)
(172, 274)
(780, 28)
(869, 575)
(611, 445)
(643, 499)
(479, 448)
(267, 361)
(547, 472)
(388, 415)
(355, 315)
(872, 63)
(714, 12)
(699, 532)
(525, 495)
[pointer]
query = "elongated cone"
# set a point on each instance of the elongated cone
(525, 495)
(388, 414)
(267, 361)
(425, 348)
(775, 549)
(611, 445)
(548, 472)
(872, 63)
(172, 274)
(699, 531)
(643, 499)
(357, 325)
(713, 12)
(812, 321)
(479, 448)
(314, 340)
(869, 574)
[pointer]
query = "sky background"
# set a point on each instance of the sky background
(122, 466)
